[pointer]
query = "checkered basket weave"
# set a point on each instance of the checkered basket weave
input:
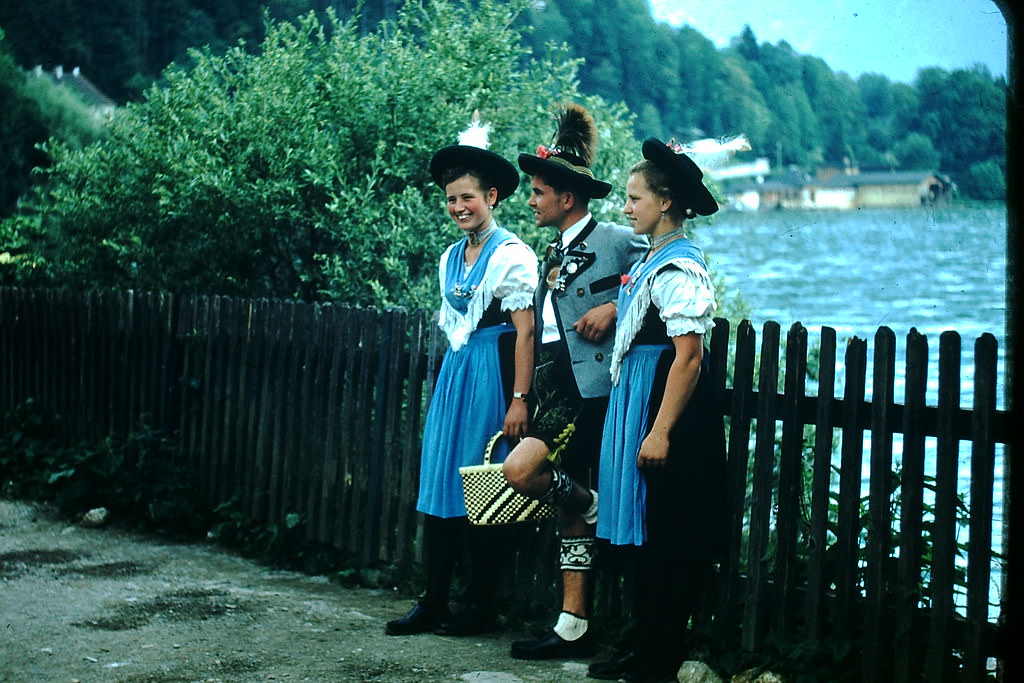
(490, 499)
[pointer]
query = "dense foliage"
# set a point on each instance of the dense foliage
(300, 171)
(794, 108)
(287, 158)
(139, 477)
(21, 129)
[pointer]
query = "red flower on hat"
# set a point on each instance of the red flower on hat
(544, 152)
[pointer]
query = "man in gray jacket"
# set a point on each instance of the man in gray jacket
(557, 461)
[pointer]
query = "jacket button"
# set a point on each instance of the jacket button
(580, 292)
(599, 356)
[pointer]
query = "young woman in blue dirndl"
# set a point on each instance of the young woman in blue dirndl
(487, 280)
(662, 470)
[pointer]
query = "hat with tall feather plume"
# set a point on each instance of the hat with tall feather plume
(567, 162)
(472, 154)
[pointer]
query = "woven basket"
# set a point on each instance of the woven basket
(490, 499)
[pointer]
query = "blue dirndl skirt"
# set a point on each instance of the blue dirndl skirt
(622, 511)
(467, 409)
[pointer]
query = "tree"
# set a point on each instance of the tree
(916, 151)
(985, 180)
(967, 113)
(299, 170)
(21, 129)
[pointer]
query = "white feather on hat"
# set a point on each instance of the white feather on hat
(711, 152)
(477, 133)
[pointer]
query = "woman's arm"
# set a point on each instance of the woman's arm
(679, 386)
(516, 417)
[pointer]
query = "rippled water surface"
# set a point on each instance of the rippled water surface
(855, 271)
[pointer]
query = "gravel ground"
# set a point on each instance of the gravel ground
(100, 604)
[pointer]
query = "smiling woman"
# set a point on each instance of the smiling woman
(487, 280)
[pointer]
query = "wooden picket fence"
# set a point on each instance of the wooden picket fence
(316, 409)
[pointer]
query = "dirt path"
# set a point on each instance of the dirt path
(79, 604)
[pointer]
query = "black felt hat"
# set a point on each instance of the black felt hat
(684, 176)
(500, 171)
(567, 162)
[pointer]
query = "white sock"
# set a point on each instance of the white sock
(570, 627)
(590, 516)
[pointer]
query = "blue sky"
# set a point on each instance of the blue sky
(890, 37)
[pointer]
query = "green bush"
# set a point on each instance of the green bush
(301, 171)
(985, 180)
(138, 477)
(21, 129)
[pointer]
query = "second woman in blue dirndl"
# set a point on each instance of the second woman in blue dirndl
(487, 280)
(662, 471)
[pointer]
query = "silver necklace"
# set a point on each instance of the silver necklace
(661, 239)
(477, 238)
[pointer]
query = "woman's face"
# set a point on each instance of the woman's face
(468, 204)
(643, 208)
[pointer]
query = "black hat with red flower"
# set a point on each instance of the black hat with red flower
(567, 162)
(684, 176)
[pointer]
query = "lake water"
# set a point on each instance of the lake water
(855, 271)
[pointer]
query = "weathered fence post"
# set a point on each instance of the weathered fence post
(907, 636)
(879, 551)
(821, 479)
(790, 486)
(758, 598)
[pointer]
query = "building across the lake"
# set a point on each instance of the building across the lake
(846, 189)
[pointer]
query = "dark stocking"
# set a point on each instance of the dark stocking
(443, 539)
(490, 555)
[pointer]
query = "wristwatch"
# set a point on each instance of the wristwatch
(518, 394)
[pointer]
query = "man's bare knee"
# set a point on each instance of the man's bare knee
(525, 463)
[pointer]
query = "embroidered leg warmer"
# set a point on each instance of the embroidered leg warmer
(577, 553)
(561, 488)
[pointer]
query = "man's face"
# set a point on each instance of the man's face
(549, 207)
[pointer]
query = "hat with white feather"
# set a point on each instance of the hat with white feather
(684, 176)
(472, 154)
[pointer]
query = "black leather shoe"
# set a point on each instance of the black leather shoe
(469, 622)
(420, 619)
(616, 668)
(551, 646)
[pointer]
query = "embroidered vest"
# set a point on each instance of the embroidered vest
(635, 293)
(460, 286)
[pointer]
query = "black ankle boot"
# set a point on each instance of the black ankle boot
(420, 619)
(615, 668)
(471, 621)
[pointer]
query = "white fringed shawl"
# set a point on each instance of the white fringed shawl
(510, 275)
(677, 282)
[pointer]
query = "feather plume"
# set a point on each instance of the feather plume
(709, 152)
(577, 133)
(477, 133)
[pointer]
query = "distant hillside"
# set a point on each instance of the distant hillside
(793, 107)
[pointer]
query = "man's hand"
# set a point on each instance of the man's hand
(596, 323)
(515, 420)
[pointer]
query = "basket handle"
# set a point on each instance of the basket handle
(490, 446)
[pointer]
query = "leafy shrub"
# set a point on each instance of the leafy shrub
(139, 477)
(300, 172)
